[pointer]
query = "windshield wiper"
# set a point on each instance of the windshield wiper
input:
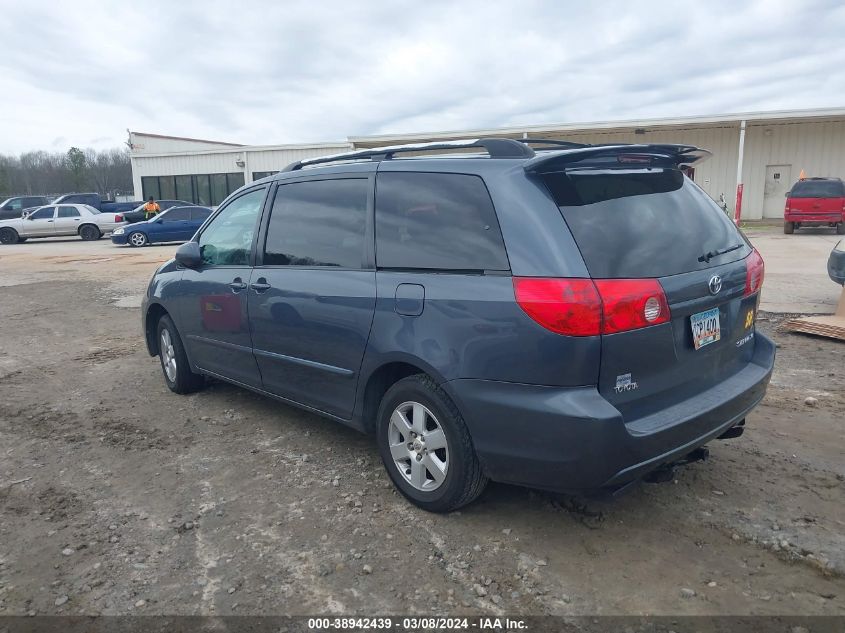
(711, 254)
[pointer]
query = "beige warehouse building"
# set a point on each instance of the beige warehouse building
(763, 151)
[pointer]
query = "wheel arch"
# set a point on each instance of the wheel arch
(153, 315)
(91, 224)
(13, 231)
(382, 378)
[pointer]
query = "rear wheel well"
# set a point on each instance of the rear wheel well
(379, 382)
(82, 226)
(154, 314)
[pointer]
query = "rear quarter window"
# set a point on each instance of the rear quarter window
(436, 221)
(643, 223)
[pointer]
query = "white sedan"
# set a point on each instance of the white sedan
(63, 219)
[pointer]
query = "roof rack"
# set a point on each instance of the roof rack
(552, 141)
(496, 148)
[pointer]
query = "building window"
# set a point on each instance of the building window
(219, 189)
(204, 189)
(184, 188)
(149, 185)
(167, 187)
(235, 181)
(258, 175)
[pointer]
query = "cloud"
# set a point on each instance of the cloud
(273, 73)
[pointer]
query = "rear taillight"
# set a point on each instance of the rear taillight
(754, 272)
(565, 306)
(630, 304)
(584, 307)
(118, 217)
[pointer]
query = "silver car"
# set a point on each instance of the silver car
(63, 219)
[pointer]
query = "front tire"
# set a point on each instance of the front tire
(137, 239)
(8, 236)
(174, 362)
(789, 228)
(89, 233)
(840, 228)
(426, 447)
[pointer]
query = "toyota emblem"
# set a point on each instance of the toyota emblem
(715, 284)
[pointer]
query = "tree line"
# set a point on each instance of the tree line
(50, 173)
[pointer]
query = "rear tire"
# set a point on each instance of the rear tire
(840, 228)
(174, 362)
(137, 239)
(417, 419)
(89, 232)
(8, 236)
(789, 228)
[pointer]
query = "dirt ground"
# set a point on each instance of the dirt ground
(119, 497)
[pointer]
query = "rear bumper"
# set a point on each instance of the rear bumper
(811, 219)
(573, 440)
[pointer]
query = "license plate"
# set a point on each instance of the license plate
(706, 328)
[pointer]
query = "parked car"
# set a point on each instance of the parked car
(815, 202)
(177, 224)
(836, 263)
(58, 219)
(137, 214)
(96, 201)
(14, 207)
(571, 319)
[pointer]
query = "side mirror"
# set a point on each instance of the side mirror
(188, 255)
(786, 195)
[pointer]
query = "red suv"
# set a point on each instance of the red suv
(815, 202)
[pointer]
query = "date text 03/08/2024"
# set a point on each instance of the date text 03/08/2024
(417, 624)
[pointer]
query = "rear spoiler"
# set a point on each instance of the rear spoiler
(617, 155)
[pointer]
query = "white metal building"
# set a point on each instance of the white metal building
(763, 151)
(205, 172)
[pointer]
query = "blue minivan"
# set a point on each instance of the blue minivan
(569, 317)
(176, 224)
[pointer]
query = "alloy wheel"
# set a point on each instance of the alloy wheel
(418, 446)
(168, 355)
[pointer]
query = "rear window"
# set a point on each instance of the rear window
(818, 189)
(643, 223)
(436, 222)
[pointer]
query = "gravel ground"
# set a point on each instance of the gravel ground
(119, 497)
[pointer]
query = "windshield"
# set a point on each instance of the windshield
(91, 209)
(644, 222)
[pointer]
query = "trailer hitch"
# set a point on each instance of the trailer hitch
(666, 472)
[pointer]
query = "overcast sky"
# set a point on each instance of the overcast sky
(81, 73)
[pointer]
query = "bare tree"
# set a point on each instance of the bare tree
(38, 172)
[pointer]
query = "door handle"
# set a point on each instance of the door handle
(237, 284)
(260, 285)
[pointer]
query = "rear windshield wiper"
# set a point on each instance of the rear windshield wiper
(711, 254)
